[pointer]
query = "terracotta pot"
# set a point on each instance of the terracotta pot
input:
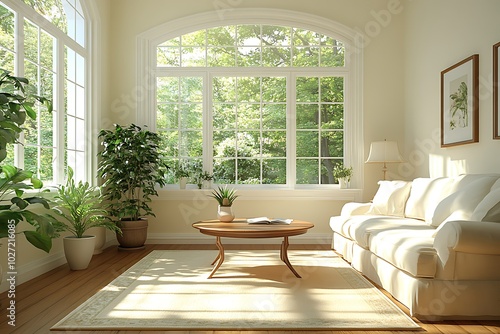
(79, 251)
(134, 234)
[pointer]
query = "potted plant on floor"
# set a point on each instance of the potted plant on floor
(79, 205)
(131, 166)
(225, 197)
(343, 175)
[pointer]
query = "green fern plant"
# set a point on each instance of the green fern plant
(80, 206)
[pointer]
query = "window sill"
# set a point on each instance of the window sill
(333, 193)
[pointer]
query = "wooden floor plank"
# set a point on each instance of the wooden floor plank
(43, 301)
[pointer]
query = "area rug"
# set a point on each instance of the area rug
(252, 290)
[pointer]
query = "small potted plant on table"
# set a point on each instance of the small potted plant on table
(225, 197)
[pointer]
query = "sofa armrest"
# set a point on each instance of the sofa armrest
(354, 208)
(468, 237)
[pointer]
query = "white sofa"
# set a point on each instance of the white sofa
(433, 243)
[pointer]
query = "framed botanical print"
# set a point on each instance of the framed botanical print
(460, 103)
(496, 97)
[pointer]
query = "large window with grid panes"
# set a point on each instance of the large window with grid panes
(263, 105)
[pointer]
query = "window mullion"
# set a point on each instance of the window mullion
(59, 119)
(19, 70)
(207, 122)
(291, 130)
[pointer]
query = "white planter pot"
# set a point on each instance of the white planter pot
(183, 182)
(79, 251)
(225, 213)
(344, 184)
(100, 238)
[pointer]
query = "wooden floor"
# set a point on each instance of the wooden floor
(43, 301)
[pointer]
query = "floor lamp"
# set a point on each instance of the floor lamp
(384, 152)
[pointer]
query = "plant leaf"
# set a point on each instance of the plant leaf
(38, 240)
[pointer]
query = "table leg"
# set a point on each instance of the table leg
(284, 256)
(220, 257)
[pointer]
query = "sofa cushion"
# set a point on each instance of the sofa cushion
(489, 208)
(362, 228)
(390, 198)
(461, 203)
(408, 249)
(425, 194)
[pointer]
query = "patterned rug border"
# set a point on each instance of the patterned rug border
(83, 317)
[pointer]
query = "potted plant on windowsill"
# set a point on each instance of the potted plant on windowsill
(131, 166)
(225, 197)
(343, 174)
(79, 204)
(182, 171)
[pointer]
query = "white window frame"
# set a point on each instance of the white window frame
(353, 120)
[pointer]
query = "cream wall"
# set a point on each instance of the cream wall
(438, 34)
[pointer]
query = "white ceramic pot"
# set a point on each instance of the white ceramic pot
(344, 184)
(100, 238)
(79, 251)
(225, 213)
(183, 182)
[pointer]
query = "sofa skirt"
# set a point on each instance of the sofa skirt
(426, 298)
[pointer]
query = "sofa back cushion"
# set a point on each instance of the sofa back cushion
(466, 194)
(425, 194)
(489, 208)
(390, 198)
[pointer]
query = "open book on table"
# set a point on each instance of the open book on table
(266, 220)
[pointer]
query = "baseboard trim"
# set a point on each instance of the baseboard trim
(33, 269)
(38, 267)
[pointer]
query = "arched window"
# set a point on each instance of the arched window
(47, 46)
(267, 102)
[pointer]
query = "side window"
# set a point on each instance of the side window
(55, 140)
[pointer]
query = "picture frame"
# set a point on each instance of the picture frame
(496, 97)
(460, 103)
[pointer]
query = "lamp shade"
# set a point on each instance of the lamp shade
(384, 151)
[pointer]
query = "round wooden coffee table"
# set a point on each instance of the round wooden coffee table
(239, 228)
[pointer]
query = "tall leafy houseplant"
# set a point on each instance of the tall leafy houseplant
(79, 205)
(16, 104)
(131, 166)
